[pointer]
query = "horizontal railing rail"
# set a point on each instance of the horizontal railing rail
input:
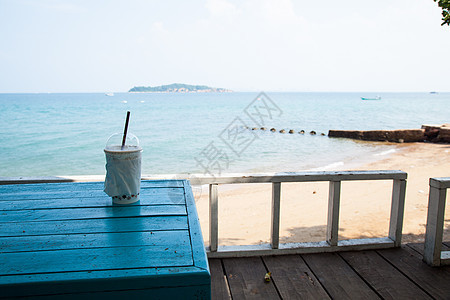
(225, 179)
(300, 177)
(332, 242)
(433, 254)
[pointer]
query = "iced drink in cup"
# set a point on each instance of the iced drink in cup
(123, 169)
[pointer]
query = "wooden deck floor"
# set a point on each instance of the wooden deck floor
(386, 274)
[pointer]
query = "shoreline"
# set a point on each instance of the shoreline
(244, 209)
(369, 152)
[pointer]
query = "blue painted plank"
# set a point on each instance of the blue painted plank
(86, 199)
(38, 194)
(198, 246)
(68, 187)
(98, 281)
(161, 183)
(93, 226)
(91, 213)
(49, 187)
(151, 193)
(179, 292)
(180, 239)
(165, 255)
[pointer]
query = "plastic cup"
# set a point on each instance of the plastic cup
(123, 170)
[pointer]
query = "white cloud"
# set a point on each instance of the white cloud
(57, 5)
(278, 11)
(221, 8)
(158, 27)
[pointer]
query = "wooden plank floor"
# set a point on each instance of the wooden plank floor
(377, 274)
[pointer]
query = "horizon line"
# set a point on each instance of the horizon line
(232, 91)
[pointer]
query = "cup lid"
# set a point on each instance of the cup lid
(114, 143)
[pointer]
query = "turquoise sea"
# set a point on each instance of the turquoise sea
(64, 134)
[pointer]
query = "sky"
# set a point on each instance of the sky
(247, 45)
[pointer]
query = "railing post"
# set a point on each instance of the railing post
(397, 211)
(334, 196)
(275, 229)
(435, 226)
(213, 217)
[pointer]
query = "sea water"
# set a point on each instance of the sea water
(65, 134)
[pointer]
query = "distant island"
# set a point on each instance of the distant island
(177, 88)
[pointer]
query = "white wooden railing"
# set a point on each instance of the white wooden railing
(433, 254)
(332, 242)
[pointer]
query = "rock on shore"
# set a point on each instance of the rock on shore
(437, 133)
(431, 133)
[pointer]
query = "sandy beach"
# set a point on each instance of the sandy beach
(244, 209)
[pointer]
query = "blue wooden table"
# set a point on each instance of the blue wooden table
(67, 239)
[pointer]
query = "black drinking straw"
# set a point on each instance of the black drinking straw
(125, 130)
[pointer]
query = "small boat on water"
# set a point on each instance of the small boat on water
(109, 94)
(371, 98)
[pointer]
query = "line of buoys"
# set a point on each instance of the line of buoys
(291, 131)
